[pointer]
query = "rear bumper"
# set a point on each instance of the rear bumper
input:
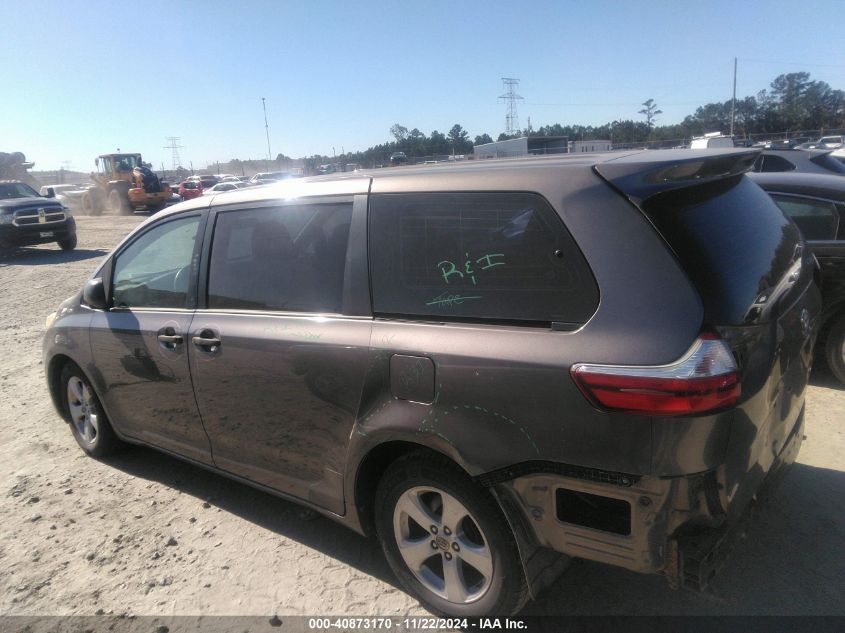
(676, 526)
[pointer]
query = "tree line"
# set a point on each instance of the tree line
(793, 102)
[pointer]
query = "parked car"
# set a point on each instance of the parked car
(207, 180)
(190, 189)
(398, 158)
(831, 142)
(423, 354)
(711, 140)
(816, 203)
(27, 218)
(809, 161)
(264, 178)
(222, 187)
(175, 198)
(69, 195)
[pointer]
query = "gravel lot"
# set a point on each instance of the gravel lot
(147, 534)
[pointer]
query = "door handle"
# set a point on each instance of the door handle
(169, 339)
(199, 341)
(207, 340)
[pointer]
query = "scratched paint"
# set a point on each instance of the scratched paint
(433, 416)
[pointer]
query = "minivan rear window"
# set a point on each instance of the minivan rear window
(731, 239)
(492, 256)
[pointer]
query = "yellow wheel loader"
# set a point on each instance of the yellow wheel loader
(123, 184)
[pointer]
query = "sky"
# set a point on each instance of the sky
(81, 79)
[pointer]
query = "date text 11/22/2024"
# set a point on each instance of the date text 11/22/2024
(416, 624)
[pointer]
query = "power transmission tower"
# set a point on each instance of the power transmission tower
(175, 147)
(510, 98)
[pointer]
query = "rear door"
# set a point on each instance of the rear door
(280, 345)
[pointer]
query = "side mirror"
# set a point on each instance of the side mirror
(51, 193)
(94, 294)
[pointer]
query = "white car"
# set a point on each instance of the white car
(223, 187)
(830, 142)
(68, 195)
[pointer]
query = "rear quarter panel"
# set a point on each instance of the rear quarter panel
(503, 394)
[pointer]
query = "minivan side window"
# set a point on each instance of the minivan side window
(817, 219)
(287, 258)
(154, 271)
(492, 256)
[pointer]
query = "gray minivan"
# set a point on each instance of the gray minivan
(493, 366)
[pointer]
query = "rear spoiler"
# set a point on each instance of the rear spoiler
(642, 175)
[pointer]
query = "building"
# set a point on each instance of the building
(577, 147)
(523, 146)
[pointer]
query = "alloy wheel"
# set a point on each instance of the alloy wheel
(83, 409)
(442, 544)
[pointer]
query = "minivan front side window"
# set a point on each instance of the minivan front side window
(154, 271)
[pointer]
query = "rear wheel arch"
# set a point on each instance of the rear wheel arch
(500, 584)
(372, 468)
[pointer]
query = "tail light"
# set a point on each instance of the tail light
(702, 380)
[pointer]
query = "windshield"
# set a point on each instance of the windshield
(16, 190)
(126, 162)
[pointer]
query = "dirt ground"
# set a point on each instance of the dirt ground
(146, 534)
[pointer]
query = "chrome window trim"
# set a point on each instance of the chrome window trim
(280, 313)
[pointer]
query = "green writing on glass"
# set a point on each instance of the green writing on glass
(448, 269)
(446, 299)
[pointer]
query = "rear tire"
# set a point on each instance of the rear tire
(88, 422)
(835, 349)
(68, 244)
(464, 562)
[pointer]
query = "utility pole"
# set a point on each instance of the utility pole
(733, 102)
(267, 131)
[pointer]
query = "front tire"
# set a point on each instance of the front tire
(447, 540)
(88, 422)
(68, 244)
(835, 349)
